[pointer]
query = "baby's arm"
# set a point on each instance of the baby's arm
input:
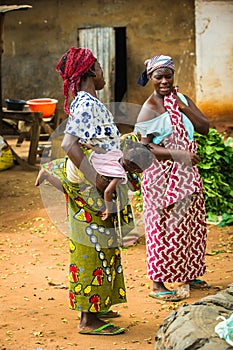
(97, 149)
(108, 194)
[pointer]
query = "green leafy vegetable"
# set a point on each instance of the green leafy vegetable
(217, 176)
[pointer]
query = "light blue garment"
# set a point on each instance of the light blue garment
(161, 126)
(224, 329)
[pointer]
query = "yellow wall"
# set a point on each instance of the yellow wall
(35, 39)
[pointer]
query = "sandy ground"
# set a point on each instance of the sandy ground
(34, 263)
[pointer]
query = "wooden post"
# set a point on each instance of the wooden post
(35, 135)
(1, 51)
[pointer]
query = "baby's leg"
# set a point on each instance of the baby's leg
(44, 175)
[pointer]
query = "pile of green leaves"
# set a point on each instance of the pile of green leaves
(217, 175)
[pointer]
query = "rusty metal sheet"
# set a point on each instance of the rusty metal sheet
(101, 41)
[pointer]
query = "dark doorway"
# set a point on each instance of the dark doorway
(121, 63)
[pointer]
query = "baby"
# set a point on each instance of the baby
(112, 166)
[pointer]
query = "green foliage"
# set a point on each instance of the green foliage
(216, 172)
(227, 219)
(138, 199)
(217, 176)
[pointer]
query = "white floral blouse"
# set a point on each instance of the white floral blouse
(92, 122)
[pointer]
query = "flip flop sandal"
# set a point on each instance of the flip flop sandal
(199, 284)
(102, 330)
(160, 295)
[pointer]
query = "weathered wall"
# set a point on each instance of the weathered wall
(214, 64)
(35, 39)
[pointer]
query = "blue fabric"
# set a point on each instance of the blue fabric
(224, 329)
(143, 79)
(161, 126)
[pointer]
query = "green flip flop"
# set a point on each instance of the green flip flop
(165, 295)
(102, 330)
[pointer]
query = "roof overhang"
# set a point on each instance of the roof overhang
(7, 8)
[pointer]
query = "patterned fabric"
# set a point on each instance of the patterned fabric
(159, 61)
(72, 67)
(107, 164)
(174, 210)
(92, 122)
(175, 238)
(156, 62)
(95, 273)
(161, 126)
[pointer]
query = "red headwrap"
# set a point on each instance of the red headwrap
(72, 67)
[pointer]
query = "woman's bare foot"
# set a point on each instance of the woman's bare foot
(162, 293)
(159, 287)
(90, 322)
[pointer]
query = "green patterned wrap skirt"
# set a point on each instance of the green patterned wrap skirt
(95, 273)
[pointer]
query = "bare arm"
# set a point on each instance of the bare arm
(162, 153)
(110, 189)
(201, 125)
(108, 194)
(97, 149)
(199, 121)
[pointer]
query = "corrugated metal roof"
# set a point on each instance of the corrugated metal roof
(7, 8)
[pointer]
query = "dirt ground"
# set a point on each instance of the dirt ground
(34, 264)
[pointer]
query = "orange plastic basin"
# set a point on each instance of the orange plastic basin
(46, 106)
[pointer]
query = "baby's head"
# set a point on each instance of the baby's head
(136, 157)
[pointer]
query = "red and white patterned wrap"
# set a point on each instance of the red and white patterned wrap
(174, 210)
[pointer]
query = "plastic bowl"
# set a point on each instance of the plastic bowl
(14, 105)
(46, 106)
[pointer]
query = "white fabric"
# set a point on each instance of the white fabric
(71, 172)
(92, 122)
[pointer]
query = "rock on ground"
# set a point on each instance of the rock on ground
(192, 326)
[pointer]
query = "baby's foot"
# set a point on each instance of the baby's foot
(42, 176)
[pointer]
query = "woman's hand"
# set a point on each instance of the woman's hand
(199, 121)
(181, 104)
(188, 158)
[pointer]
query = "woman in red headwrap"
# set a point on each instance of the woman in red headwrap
(96, 275)
(174, 211)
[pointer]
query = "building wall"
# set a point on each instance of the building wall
(214, 47)
(35, 39)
